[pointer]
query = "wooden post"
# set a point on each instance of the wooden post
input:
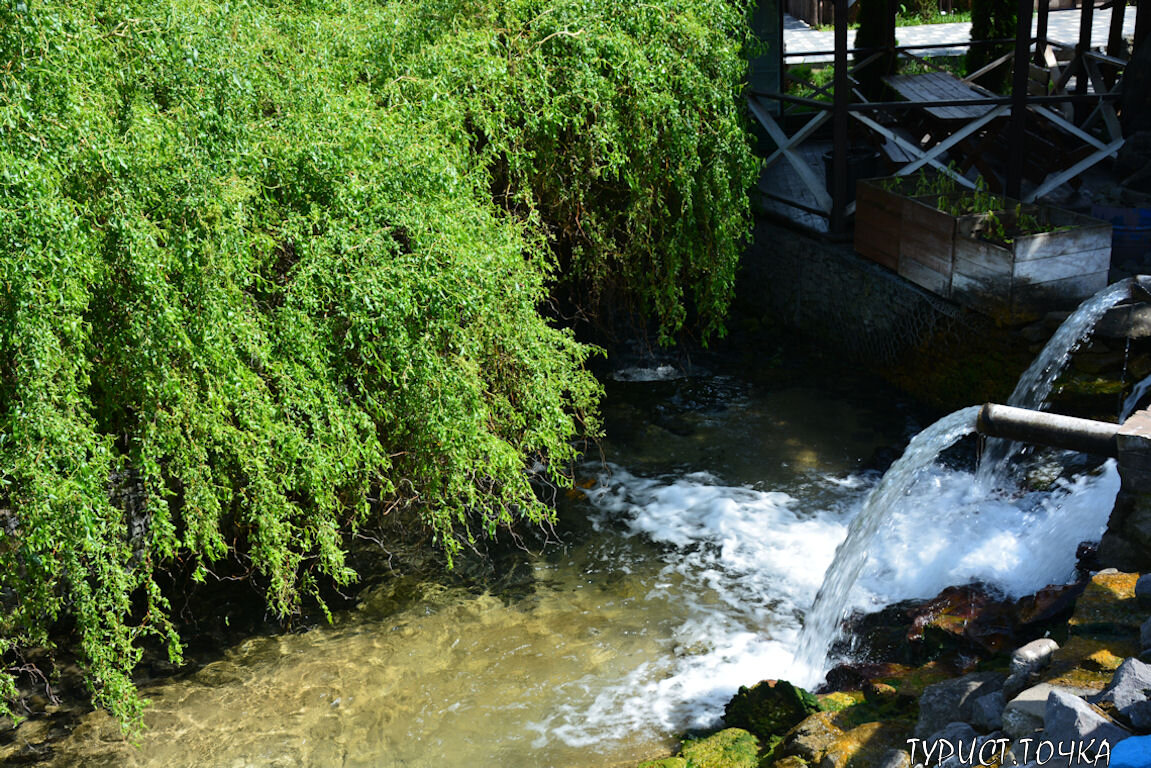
(1086, 20)
(889, 30)
(1041, 32)
(1017, 138)
(838, 222)
(1142, 22)
(1115, 36)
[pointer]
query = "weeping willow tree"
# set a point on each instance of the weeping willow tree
(265, 261)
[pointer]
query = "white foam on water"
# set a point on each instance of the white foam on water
(748, 564)
(947, 534)
(744, 562)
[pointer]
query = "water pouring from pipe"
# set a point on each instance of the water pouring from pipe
(822, 623)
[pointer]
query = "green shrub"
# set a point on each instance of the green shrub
(254, 276)
(991, 20)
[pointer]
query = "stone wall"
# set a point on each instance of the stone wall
(826, 291)
(925, 344)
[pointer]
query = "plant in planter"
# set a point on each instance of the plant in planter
(986, 251)
(1018, 264)
(909, 224)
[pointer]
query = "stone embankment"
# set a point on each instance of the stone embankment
(1080, 695)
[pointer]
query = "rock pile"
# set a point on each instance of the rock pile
(1085, 700)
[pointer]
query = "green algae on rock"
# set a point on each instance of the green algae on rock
(729, 748)
(769, 708)
(666, 762)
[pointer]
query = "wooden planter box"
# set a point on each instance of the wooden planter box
(927, 244)
(916, 238)
(909, 235)
(878, 221)
(1024, 279)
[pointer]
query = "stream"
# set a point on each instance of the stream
(682, 568)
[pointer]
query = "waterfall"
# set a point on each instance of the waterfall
(1031, 391)
(1034, 385)
(821, 625)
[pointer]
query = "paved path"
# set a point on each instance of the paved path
(1062, 26)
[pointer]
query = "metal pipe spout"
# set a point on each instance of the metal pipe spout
(1052, 429)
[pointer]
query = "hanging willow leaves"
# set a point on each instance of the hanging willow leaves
(263, 261)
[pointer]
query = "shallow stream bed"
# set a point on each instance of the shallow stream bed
(682, 570)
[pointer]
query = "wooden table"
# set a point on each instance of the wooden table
(940, 86)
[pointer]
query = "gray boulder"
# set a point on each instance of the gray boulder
(1034, 656)
(1070, 722)
(987, 711)
(982, 751)
(952, 700)
(1143, 591)
(895, 758)
(1145, 636)
(1024, 713)
(946, 744)
(1026, 662)
(1130, 693)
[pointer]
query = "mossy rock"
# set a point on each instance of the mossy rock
(812, 737)
(667, 762)
(1089, 662)
(865, 745)
(1107, 606)
(729, 748)
(839, 700)
(769, 708)
(791, 761)
(917, 679)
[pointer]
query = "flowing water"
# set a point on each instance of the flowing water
(1034, 385)
(684, 570)
(823, 620)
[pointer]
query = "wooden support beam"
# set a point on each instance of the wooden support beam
(1115, 35)
(1081, 49)
(842, 97)
(813, 183)
(1142, 22)
(1017, 137)
(922, 158)
(1055, 180)
(1041, 31)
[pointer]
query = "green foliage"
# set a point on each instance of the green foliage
(253, 276)
(613, 123)
(991, 20)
